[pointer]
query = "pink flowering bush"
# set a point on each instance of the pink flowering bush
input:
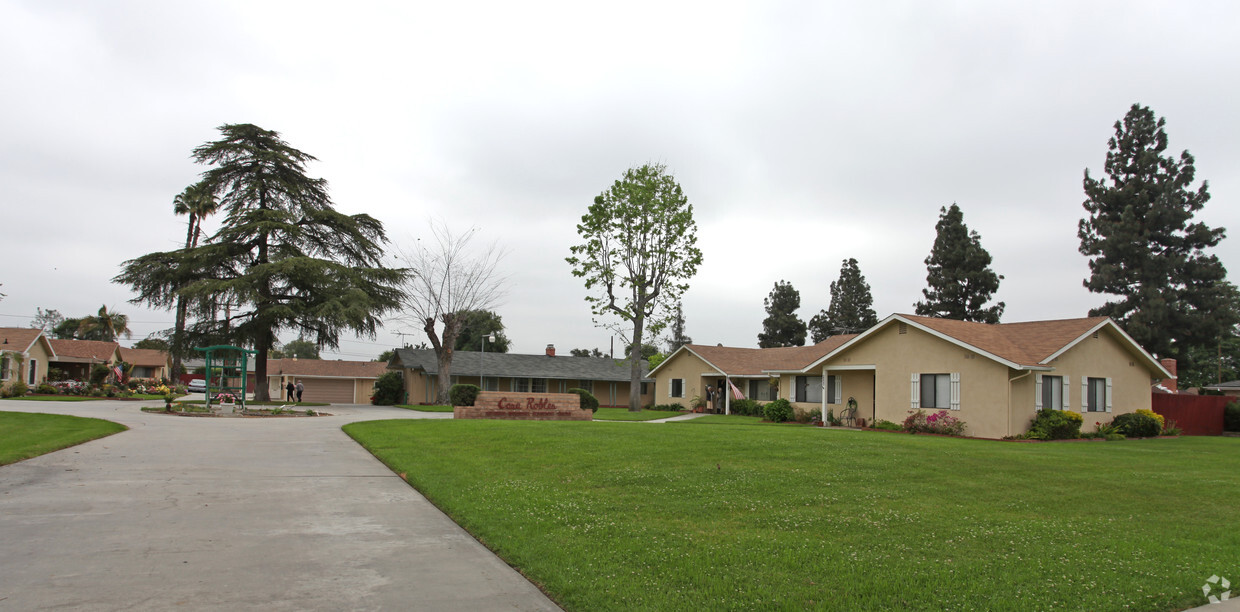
(941, 422)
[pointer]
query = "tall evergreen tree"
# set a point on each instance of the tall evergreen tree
(479, 323)
(676, 335)
(852, 307)
(1145, 248)
(282, 251)
(958, 274)
(782, 326)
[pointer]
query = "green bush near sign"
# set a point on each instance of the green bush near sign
(464, 395)
(588, 401)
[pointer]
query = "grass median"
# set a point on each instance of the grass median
(611, 516)
(24, 435)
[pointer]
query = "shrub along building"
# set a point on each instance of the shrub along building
(607, 379)
(995, 377)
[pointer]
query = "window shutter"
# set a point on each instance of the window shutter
(1084, 394)
(1037, 392)
(839, 390)
(669, 387)
(1066, 386)
(955, 390)
(1108, 395)
(915, 403)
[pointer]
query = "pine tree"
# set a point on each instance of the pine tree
(283, 251)
(959, 278)
(782, 327)
(1145, 248)
(852, 307)
(677, 337)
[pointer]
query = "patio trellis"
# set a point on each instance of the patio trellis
(233, 363)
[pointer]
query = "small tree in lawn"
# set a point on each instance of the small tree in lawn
(958, 274)
(638, 252)
(284, 258)
(852, 307)
(1147, 251)
(782, 326)
(448, 281)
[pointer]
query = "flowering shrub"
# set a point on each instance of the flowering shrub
(941, 422)
(71, 387)
(1055, 425)
(1162, 424)
(226, 398)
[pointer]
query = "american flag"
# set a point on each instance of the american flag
(736, 393)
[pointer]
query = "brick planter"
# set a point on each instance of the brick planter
(524, 407)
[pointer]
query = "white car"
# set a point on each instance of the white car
(197, 385)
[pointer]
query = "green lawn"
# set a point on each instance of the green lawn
(623, 414)
(25, 435)
(612, 516)
(425, 408)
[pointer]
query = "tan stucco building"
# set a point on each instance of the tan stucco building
(993, 377)
(24, 355)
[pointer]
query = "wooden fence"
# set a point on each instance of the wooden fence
(1196, 415)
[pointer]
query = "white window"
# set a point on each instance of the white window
(762, 390)
(523, 385)
(834, 390)
(936, 391)
(1051, 393)
(677, 388)
(538, 385)
(809, 389)
(1096, 395)
(490, 384)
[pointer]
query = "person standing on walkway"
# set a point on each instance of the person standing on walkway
(710, 398)
(291, 389)
(300, 388)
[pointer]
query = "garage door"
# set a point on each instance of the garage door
(330, 390)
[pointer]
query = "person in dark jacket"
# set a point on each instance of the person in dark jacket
(291, 389)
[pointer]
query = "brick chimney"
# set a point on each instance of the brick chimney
(551, 350)
(1169, 383)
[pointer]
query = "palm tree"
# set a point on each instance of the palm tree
(197, 201)
(106, 326)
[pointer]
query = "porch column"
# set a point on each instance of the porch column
(825, 379)
(727, 396)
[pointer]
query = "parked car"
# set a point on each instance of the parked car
(197, 385)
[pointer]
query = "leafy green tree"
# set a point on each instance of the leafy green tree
(647, 351)
(67, 329)
(297, 349)
(1146, 249)
(47, 320)
(197, 202)
(782, 326)
(638, 253)
(958, 274)
(579, 352)
(677, 337)
(105, 326)
(154, 343)
(852, 307)
(479, 323)
(283, 258)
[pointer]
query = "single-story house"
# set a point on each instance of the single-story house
(77, 357)
(1230, 388)
(993, 377)
(331, 381)
(147, 363)
(24, 355)
(608, 379)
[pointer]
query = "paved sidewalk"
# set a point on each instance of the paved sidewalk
(683, 417)
(234, 514)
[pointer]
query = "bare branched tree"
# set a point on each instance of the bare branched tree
(448, 279)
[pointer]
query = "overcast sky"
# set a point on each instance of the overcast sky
(803, 133)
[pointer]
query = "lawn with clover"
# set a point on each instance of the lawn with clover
(688, 517)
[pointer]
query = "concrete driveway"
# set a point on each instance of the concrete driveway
(223, 514)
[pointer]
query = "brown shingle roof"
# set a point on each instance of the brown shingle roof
(1026, 344)
(18, 338)
(326, 367)
(144, 357)
(94, 350)
(755, 361)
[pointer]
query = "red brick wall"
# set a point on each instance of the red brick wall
(524, 407)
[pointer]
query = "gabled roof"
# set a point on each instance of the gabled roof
(144, 357)
(84, 350)
(18, 339)
(735, 361)
(1030, 345)
(510, 365)
(325, 368)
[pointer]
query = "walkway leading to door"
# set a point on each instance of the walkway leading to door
(194, 514)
